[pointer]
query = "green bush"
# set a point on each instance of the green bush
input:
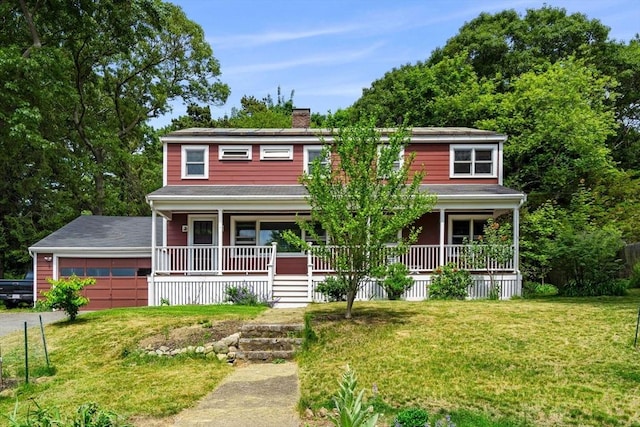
(242, 295)
(449, 282)
(533, 289)
(634, 280)
(413, 417)
(397, 281)
(333, 288)
(65, 295)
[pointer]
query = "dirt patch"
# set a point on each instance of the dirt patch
(192, 335)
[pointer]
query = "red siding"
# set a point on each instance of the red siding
(430, 234)
(236, 172)
(175, 235)
(291, 265)
(44, 272)
(433, 158)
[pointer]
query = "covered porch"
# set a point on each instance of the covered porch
(197, 268)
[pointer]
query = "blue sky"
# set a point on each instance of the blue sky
(327, 51)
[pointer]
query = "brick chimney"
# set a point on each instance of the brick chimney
(301, 118)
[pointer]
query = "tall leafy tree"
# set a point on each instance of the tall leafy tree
(362, 201)
(80, 80)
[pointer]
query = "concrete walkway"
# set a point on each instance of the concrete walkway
(254, 395)
(13, 321)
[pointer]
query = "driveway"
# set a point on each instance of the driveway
(11, 322)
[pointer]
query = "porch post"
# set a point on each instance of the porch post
(151, 287)
(516, 239)
(220, 236)
(441, 255)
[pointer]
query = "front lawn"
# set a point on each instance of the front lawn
(96, 361)
(556, 361)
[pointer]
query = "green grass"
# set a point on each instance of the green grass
(95, 361)
(522, 362)
(542, 362)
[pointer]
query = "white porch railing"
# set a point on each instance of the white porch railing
(262, 259)
(206, 260)
(425, 258)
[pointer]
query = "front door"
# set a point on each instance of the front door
(203, 242)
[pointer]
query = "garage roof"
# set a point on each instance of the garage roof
(94, 231)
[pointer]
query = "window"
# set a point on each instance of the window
(397, 164)
(245, 234)
(466, 229)
(195, 162)
(234, 152)
(70, 271)
(473, 161)
(265, 232)
(311, 153)
(276, 152)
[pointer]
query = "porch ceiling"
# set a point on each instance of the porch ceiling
(292, 197)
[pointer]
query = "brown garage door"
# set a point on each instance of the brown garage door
(120, 282)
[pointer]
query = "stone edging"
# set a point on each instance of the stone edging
(224, 349)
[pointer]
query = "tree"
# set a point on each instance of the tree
(363, 202)
(80, 81)
(558, 121)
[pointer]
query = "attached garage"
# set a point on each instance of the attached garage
(115, 251)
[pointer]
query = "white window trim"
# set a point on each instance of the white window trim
(462, 218)
(222, 149)
(276, 152)
(494, 160)
(183, 161)
(258, 220)
(308, 148)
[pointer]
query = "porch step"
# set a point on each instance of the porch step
(267, 342)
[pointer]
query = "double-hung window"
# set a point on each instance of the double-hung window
(474, 161)
(311, 153)
(195, 161)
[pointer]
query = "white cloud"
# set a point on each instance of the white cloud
(335, 57)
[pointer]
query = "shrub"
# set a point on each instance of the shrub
(413, 417)
(449, 282)
(349, 404)
(242, 295)
(397, 281)
(634, 280)
(333, 288)
(533, 289)
(65, 295)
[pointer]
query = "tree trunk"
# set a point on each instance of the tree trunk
(351, 296)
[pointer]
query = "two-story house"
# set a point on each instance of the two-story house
(227, 195)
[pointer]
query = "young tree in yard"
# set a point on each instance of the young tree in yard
(363, 200)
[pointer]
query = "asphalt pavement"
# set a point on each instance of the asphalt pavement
(12, 321)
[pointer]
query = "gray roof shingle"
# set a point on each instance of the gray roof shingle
(103, 232)
(250, 191)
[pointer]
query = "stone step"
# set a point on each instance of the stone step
(264, 330)
(265, 356)
(269, 344)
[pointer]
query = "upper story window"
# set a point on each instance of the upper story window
(479, 161)
(195, 161)
(234, 152)
(276, 152)
(311, 153)
(397, 164)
